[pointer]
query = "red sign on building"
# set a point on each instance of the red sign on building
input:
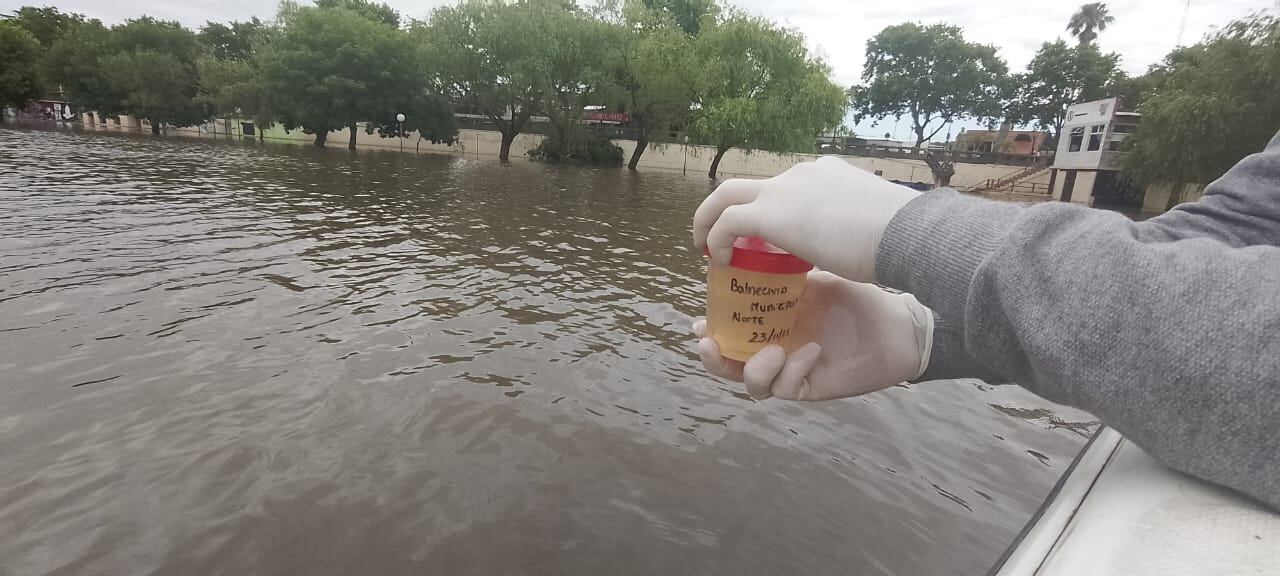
(619, 117)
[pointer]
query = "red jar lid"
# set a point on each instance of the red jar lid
(754, 254)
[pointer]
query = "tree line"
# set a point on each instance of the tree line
(1204, 107)
(725, 78)
(730, 79)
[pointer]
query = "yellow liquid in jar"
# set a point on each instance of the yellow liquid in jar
(747, 310)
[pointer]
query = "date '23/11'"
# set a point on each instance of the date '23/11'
(774, 335)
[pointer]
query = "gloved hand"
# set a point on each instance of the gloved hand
(860, 337)
(827, 212)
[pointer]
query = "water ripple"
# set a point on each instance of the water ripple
(222, 359)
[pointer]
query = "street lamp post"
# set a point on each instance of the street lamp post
(684, 169)
(400, 130)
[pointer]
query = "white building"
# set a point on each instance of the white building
(1087, 164)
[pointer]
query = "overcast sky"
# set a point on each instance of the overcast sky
(1144, 30)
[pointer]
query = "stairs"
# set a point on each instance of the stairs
(1018, 183)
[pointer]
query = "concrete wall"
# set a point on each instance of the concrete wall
(668, 157)
(1156, 196)
(1081, 192)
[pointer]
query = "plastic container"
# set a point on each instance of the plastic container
(751, 303)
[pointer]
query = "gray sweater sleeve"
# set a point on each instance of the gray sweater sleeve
(1169, 336)
(1241, 209)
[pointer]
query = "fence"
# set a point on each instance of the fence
(994, 186)
(964, 156)
(542, 126)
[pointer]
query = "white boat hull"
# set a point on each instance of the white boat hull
(1118, 511)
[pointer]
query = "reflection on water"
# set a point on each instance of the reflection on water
(234, 359)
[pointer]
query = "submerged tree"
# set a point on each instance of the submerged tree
(758, 87)
(571, 69)
(479, 58)
(652, 71)
(145, 68)
(19, 82)
(331, 67)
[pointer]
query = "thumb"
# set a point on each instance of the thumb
(792, 381)
(735, 222)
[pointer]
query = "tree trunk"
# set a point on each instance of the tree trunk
(941, 168)
(504, 153)
(155, 128)
(1175, 196)
(321, 136)
(641, 144)
(351, 142)
(715, 162)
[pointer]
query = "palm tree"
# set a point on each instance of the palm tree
(1091, 19)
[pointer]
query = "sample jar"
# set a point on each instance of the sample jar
(751, 303)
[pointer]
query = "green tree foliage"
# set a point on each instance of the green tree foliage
(231, 41)
(758, 87)
(932, 76)
(145, 68)
(482, 60)
(1131, 90)
(375, 11)
(331, 67)
(652, 67)
(569, 66)
(1058, 76)
(75, 64)
(231, 79)
(154, 68)
(157, 86)
(1211, 104)
(587, 147)
(426, 113)
(47, 25)
(1091, 19)
(690, 15)
(19, 83)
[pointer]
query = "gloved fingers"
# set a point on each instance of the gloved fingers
(834, 162)
(734, 222)
(730, 193)
(761, 369)
(792, 381)
(718, 365)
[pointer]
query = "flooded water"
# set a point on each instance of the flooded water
(238, 359)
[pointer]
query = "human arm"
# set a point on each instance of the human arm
(1242, 208)
(1168, 339)
(1173, 343)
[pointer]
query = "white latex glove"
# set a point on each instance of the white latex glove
(860, 337)
(827, 212)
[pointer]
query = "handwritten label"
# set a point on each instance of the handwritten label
(758, 309)
(774, 335)
(756, 290)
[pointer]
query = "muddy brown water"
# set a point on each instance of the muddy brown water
(220, 358)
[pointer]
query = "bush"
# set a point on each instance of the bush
(585, 147)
